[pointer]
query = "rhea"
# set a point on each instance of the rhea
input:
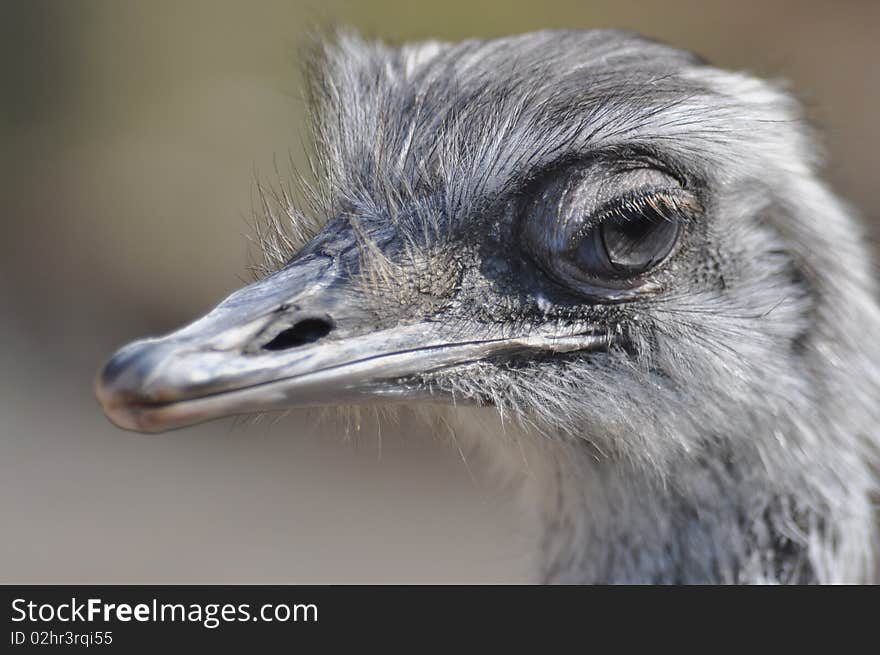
(608, 265)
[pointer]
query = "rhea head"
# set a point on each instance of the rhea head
(589, 231)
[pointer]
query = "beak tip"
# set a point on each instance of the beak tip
(115, 386)
(128, 416)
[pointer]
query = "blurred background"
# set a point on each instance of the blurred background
(130, 137)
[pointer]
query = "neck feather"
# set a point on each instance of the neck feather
(712, 518)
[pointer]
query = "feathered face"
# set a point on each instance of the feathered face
(586, 229)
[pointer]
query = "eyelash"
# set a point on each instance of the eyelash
(676, 206)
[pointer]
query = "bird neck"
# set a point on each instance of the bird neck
(717, 515)
(605, 521)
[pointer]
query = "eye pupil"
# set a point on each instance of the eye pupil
(633, 243)
(626, 244)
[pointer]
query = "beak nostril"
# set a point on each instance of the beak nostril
(306, 331)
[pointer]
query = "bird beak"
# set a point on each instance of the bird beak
(302, 337)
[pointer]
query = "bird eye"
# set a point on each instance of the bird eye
(629, 242)
(602, 233)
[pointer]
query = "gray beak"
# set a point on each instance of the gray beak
(304, 336)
